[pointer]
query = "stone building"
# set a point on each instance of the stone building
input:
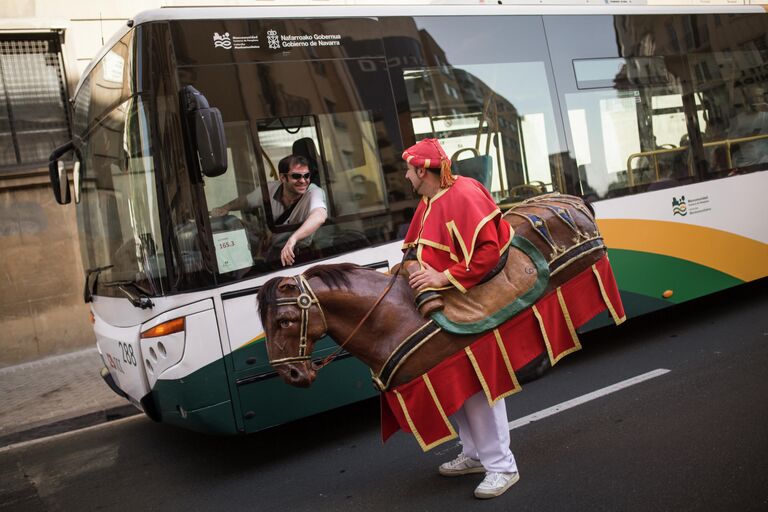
(44, 46)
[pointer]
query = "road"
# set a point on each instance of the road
(692, 438)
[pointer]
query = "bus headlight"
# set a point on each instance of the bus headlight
(162, 346)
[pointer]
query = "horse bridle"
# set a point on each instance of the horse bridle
(304, 301)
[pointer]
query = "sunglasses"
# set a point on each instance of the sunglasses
(296, 176)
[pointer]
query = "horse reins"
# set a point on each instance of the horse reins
(333, 356)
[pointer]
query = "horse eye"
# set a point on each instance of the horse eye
(285, 323)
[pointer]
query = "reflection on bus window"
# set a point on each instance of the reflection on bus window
(119, 221)
(630, 130)
(496, 128)
(356, 180)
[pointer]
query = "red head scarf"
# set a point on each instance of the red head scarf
(429, 154)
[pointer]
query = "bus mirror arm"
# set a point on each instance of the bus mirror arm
(207, 129)
(58, 174)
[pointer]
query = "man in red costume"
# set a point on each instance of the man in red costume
(458, 236)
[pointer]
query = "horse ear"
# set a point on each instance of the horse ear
(286, 284)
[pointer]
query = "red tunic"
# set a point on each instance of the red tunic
(459, 232)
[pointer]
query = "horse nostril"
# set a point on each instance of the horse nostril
(294, 373)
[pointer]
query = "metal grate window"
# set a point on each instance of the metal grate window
(33, 115)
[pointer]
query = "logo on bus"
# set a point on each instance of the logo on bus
(272, 40)
(679, 207)
(222, 41)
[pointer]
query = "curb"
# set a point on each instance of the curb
(61, 425)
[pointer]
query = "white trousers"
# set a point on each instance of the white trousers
(484, 433)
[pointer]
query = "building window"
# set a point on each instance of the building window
(33, 113)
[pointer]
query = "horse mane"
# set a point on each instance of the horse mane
(332, 275)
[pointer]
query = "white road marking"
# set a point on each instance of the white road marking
(564, 406)
(69, 433)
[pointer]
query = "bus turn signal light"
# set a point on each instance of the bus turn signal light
(165, 328)
(667, 294)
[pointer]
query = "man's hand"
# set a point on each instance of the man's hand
(219, 211)
(287, 257)
(428, 278)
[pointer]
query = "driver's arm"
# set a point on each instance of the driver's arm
(314, 220)
(240, 203)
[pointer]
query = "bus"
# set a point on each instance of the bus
(656, 115)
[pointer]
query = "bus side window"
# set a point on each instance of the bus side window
(496, 128)
(354, 166)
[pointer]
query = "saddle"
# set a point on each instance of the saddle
(485, 306)
(554, 234)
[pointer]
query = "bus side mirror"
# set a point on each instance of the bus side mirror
(58, 174)
(207, 130)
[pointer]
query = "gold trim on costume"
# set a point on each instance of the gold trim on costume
(440, 247)
(544, 334)
(454, 231)
(479, 374)
(412, 426)
(407, 355)
(508, 364)
(439, 406)
(607, 301)
(454, 282)
(439, 194)
(533, 225)
(410, 336)
(509, 242)
(580, 255)
(574, 336)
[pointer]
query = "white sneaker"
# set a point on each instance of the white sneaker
(495, 484)
(461, 465)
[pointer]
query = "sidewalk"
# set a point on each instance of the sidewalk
(54, 395)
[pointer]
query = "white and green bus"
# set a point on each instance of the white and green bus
(657, 115)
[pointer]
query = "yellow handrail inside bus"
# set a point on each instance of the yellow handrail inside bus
(653, 155)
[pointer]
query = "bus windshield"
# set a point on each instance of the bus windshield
(119, 220)
(329, 103)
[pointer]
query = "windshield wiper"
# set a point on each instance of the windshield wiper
(90, 288)
(140, 299)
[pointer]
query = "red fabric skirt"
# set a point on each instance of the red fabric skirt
(422, 406)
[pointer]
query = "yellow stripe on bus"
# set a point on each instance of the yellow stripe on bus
(735, 255)
(260, 337)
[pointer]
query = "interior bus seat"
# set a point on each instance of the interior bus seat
(306, 147)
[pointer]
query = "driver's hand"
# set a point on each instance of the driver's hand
(287, 257)
(219, 211)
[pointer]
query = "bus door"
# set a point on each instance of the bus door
(318, 89)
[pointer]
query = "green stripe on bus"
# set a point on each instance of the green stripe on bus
(652, 274)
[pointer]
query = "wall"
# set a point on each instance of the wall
(41, 276)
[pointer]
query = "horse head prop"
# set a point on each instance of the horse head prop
(292, 315)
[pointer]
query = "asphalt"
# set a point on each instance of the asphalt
(54, 395)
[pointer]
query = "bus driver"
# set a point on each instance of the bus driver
(293, 200)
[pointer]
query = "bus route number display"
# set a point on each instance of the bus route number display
(232, 250)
